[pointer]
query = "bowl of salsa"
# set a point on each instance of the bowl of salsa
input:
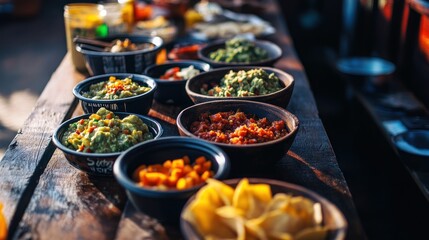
(120, 92)
(171, 78)
(254, 83)
(253, 134)
(240, 52)
(92, 142)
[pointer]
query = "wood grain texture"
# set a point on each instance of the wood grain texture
(30, 151)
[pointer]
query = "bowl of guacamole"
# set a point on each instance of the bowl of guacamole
(93, 141)
(240, 52)
(119, 92)
(255, 83)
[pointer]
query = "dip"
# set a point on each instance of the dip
(239, 50)
(104, 132)
(237, 128)
(253, 82)
(115, 89)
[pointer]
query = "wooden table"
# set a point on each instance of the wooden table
(46, 198)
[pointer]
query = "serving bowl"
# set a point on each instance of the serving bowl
(413, 146)
(332, 217)
(165, 205)
(99, 164)
(101, 62)
(273, 50)
(250, 156)
(139, 104)
(169, 91)
(280, 98)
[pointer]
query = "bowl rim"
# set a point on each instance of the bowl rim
(155, 40)
(122, 177)
(98, 78)
(240, 146)
(205, 66)
(397, 139)
(274, 70)
(58, 144)
(260, 43)
(338, 215)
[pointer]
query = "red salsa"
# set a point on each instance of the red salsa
(237, 128)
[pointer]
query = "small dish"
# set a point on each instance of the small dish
(98, 164)
(165, 205)
(279, 98)
(413, 146)
(250, 156)
(100, 62)
(332, 217)
(140, 104)
(173, 91)
(274, 53)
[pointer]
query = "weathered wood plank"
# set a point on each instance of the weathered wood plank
(30, 151)
(68, 203)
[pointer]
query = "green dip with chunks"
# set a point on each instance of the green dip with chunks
(253, 82)
(239, 50)
(115, 89)
(104, 132)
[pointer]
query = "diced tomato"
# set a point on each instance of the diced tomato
(91, 129)
(171, 73)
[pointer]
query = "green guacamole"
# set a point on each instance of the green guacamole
(253, 82)
(115, 89)
(104, 132)
(239, 50)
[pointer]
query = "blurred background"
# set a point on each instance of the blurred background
(389, 202)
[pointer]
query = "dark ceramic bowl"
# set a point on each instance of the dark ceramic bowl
(274, 54)
(280, 98)
(165, 205)
(139, 104)
(413, 146)
(250, 156)
(100, 62)
(99, 164)
(332, 217)
(173, 91)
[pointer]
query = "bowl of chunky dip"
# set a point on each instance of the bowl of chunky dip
(171, 78)
(160, 175)
(253, 134)
(240, 52)
(127, 54)
(254, 83)
(120, 92)
(92, 142)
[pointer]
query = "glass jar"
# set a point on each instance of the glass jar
(84, 20)
(95, 21)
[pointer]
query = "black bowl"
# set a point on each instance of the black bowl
(173, 91)
(99, 62)
(165, 205)
(332, 217)
(139, 104)
(98, 164)
(250, 156)
(274, 54)
(413, 147)
(280, 98)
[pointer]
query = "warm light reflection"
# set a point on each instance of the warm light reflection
(326, 179)
(15, 108)
(386, 7)
(424, 36)
(161, 116)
